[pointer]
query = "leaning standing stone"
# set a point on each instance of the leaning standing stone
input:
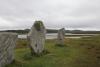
(7, 45)
(61, 36)
(36, 37)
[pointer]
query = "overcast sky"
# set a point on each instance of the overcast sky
(71, 14)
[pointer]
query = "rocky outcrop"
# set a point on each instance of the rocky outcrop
(7, 45)
(61, 36)
(36, 38)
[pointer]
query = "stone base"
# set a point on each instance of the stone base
(61, 45)
(39, 54)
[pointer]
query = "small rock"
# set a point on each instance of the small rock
(61, 36)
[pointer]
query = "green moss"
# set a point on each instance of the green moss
(38, 25)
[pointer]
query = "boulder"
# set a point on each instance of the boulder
(7, 45)
(36, 38)
(61, 36)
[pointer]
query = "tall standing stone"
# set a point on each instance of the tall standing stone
(36, 37)
(61, 36)
(7, 45)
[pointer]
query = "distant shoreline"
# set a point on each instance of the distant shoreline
(54, 35)
(25, 31)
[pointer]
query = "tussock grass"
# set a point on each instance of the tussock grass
(84, 52)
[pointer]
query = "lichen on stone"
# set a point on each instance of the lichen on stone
(38, 25)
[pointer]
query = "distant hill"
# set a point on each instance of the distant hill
(25, 31)
(82, 32)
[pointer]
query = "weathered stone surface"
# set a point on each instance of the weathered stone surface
(36, 37)
(61, 36)
(7, 45)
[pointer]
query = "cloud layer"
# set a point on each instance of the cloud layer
(72, 14)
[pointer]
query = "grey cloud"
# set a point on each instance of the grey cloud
(55, 13)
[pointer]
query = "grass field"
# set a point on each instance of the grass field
(84, 52)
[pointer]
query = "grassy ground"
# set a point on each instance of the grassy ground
(84, 52)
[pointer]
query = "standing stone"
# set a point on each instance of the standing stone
(61, 36)
(36, 37)
(7, 45)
